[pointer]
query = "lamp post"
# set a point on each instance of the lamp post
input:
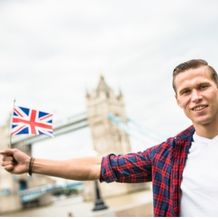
(99, 202)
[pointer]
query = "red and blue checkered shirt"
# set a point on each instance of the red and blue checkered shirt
(162, 164)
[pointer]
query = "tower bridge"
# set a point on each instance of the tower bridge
(107, 137)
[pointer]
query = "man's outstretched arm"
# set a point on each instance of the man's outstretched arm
(17, 162)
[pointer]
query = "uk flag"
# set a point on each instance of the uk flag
(30, 121)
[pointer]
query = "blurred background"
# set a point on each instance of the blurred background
(56, 56)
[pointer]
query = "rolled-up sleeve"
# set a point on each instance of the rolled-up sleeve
(129, 168)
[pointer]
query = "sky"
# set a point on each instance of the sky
(53, 51)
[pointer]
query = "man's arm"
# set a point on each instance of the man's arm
(17, 162)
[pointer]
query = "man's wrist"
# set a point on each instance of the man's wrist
(30, 166)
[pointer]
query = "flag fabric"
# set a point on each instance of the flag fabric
(27, 121)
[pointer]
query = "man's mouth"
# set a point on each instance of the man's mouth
(199, 108)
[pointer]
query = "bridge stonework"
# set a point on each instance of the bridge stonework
(107, 137)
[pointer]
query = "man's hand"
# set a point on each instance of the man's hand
(15, 161)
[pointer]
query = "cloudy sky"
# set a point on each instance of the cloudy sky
(52, 51)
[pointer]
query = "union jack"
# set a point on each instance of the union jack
(30, 121)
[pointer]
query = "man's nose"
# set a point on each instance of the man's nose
(196, 96)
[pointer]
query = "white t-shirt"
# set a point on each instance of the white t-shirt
(200, 179)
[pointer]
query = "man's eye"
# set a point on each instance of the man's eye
(203, 86)
(185, 92)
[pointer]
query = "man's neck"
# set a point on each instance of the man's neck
(207, 131)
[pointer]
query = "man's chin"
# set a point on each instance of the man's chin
(203, 122)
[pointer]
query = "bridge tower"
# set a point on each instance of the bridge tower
(107, 138)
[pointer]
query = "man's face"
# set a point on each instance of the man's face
(197, 95)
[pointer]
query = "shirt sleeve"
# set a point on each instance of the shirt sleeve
(129, 168)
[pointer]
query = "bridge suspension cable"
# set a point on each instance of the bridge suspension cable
(135, 130)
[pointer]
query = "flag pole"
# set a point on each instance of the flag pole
(10, 125)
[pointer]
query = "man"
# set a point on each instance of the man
(182, 169)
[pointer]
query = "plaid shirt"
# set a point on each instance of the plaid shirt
(162, 164)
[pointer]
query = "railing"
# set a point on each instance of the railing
(28, 195)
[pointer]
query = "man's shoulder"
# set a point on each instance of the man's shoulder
(183, 135)
(186, 134)
(167, 147)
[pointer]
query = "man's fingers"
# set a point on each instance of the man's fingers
(7, 152)
(9, 167)
(8, 158)
(7, 162)
(3, 152)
